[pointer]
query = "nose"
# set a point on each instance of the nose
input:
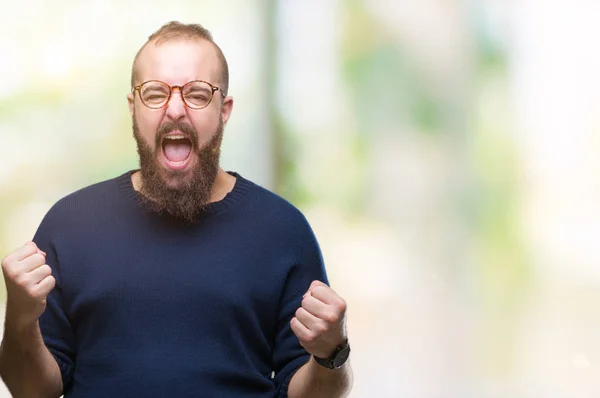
(176, 108)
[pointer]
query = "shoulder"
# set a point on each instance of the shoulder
(274, 217)
(89, 200)
(270, 206)
(285, 226)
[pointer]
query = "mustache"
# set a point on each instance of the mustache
(169, 127)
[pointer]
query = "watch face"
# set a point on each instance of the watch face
(341, 356)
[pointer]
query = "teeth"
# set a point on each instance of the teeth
(174, 137)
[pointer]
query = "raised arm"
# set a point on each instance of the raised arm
(320, 324)
(26, 366)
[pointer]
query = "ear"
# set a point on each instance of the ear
(226, 108)
(131, 103)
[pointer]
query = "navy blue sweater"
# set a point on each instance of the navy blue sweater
(146, 306)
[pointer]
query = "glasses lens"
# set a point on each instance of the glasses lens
(197, 94)
(154, 94)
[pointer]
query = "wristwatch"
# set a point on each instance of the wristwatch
(337, 359)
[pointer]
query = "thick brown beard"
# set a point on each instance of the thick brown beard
(189, 199)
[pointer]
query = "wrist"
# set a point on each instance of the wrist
(332, 344)
(20, 329)
(337, 358)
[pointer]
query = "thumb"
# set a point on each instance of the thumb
(32, 243)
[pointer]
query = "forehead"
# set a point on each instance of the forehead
(178, 61)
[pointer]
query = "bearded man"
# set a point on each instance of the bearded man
(178, 279)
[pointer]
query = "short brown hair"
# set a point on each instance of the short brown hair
(177, 30)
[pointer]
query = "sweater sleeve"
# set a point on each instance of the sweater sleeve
(55, 326)
(288, 354)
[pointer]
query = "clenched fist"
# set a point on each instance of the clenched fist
(28, 282)
(320, 323)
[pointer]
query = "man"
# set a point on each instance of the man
(180, 279)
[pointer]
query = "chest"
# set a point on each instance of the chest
(207, 283)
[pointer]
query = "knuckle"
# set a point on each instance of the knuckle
(310, 337)
(10, 273)
(321, 329)
(330, 318)
(298, 312)
(32, 292)
(51, 282)
(46, 269)
(341, 305)
(37, 293)
(9, 266)
(21, 281)
(305, 301)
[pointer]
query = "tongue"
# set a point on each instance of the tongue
(177, 150)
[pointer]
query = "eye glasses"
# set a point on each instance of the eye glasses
(196, 94)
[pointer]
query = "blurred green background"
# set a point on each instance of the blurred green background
(445, 152)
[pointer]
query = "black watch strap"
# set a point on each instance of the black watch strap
(337, 359)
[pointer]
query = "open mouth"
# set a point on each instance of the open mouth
(177, 150)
